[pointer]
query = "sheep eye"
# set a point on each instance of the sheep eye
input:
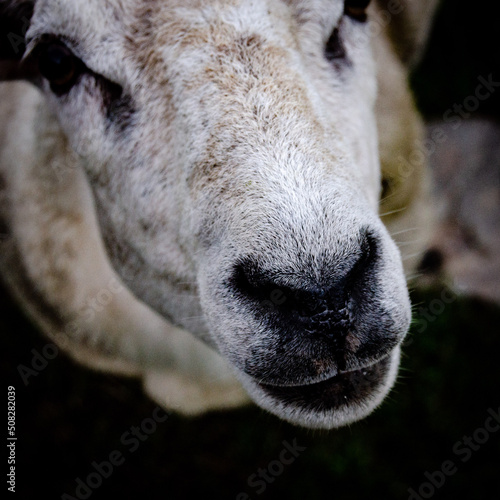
(59, 66)
(356, 9)
(334, 47)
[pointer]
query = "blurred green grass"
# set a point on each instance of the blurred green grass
(68, 417)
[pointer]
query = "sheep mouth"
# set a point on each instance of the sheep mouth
(345, 389)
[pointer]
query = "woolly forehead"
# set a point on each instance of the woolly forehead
(96, 30)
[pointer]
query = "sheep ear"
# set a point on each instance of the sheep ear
(15, 17)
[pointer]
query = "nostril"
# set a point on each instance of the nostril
(251, 282)
(369, 247)
(314, 310)
(316, 305)
(254, 284)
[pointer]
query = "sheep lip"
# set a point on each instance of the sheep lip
(334, 392)
(333, 374)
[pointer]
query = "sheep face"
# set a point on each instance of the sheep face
(231, 147)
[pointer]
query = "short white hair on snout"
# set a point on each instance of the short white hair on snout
(191, 190)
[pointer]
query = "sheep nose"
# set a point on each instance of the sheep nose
(324, 306)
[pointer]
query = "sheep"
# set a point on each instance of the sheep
(201, 193)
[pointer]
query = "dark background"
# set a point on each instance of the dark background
(68, 417)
